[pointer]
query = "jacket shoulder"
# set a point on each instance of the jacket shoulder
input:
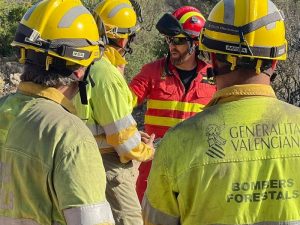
(52, 116)
(154, 68)
(103, 72)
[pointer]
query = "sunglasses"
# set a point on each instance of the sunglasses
(176, 40)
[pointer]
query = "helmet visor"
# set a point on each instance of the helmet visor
(168, 25)
(176, 40)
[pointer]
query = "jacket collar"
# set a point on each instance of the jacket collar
(32, 89)
(114, 56)
(237, 92)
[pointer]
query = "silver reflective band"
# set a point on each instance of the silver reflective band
(119, 125)
(130, 144)
(154, 216)
(67, 20)
(89, 215)
(29, 12)
(115, 10)
(271, 9)
(13, 221)
(229, 12)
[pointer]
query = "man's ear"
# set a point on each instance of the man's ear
(122, 42)
(79, 73)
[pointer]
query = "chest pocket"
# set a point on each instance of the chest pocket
(163, 89)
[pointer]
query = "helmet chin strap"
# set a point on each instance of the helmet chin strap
(82, 86)
(192, 47)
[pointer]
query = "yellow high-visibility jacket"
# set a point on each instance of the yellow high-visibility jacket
(237, 162)
(108, 113)
(51, 171)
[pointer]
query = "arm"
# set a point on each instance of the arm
(140, 86)
(112, 110)
(79, 183)
(160, 206)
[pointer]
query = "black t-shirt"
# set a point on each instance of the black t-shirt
(187, 76)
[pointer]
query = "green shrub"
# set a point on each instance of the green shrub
(11, 13)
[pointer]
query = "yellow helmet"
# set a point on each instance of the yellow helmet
(63, 29)
(118, 16)
(245, 28)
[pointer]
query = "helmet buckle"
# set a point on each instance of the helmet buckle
(34, 36)
(243, 41)
(114, 30)
(61, 50)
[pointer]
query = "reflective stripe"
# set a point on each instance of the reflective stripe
(188, 15)
(130, 144)
(13, 221)
(229, 12)
(116, 9)
(271, 9)
(29, 12)
(154, 216)
(67, 20)
(175, 105)
(119, 125)
(162, 121)
(95, 129)
(89, 215)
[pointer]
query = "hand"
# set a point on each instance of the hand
(145, 137)
(150, 141)
(151, 145)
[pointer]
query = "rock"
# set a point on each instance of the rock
(10, 72)
(1, 86)
(14, 79)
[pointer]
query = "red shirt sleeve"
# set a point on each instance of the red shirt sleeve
(141, 84)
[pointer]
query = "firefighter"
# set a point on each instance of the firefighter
(51, 169)
(175, 87)
(108, 113)
(237, 161)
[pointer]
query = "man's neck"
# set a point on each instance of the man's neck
(69, 91)
(189, 65)
(241, 77)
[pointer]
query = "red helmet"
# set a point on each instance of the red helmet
(191, 20)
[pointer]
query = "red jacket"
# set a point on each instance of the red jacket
(168, 103)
